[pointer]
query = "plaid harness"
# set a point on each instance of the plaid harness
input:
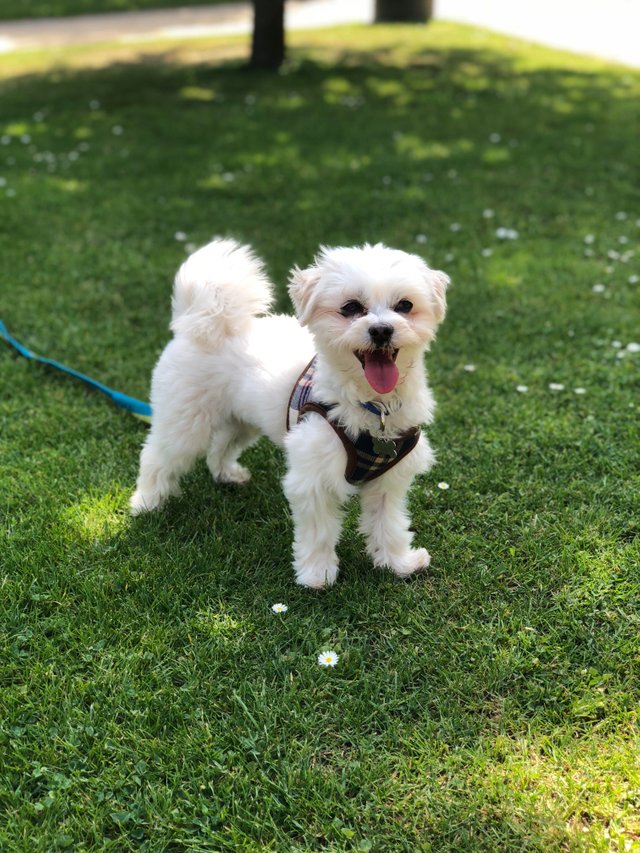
(364, 462)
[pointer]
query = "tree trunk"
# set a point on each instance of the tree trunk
(418, 11)
(267, 47)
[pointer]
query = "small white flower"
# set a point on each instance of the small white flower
(589, 239)
(180, 236)
(598, 288)
(556, 386)
(444, 486)
(507, 234)
(579, 390)
(621, 215)
(469, 368)
(588, 253)
(94, 105)
(486, 253)
(633, 347)
(117, 130)
(616, 344)
(279, 608)
(10, 192)
(328, 658)
(620, 354)
(622, 240)
(449, 257)
(25, 139)
(494, 138)
(522, 389)
(488, 213)
(421, 238)
(455, 226)
(613, 255)
(633, 279)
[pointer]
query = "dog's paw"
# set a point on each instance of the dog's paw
(315, 576)
(415, 560)
(235, 473)
(140, 503)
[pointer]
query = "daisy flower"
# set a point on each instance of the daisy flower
(444, 486)
(469, 368)
(556, 386)
(279, 608)
(328, 658)
(598, 288)
(522, 389)
(579, 390)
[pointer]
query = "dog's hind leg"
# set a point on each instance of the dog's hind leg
(165, 457)
(228, 440)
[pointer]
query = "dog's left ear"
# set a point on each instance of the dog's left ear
(302, 285)
(439, 282)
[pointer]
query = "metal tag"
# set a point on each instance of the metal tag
(385, 447)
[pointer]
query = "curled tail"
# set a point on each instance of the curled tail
(218, 290)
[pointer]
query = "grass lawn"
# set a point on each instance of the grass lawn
(16, 9)
(151, 700)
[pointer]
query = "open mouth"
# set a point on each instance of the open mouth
(380, 369)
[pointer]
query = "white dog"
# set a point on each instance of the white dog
(349, 421)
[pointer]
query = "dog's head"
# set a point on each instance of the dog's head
(372, 309)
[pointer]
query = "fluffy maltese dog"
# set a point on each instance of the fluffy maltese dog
(342, 388)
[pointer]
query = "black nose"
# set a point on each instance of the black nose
(381, 333)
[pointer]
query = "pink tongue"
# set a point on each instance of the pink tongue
(380, 371)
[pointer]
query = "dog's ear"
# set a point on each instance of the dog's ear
(439, 281)
(302, 285)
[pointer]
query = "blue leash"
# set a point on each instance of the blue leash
(138, 408)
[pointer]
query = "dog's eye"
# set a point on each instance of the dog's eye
(352, 309)
(404, 307)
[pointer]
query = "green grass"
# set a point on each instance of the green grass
(18, 9)
(150, 698)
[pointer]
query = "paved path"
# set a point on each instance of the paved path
(605, 28)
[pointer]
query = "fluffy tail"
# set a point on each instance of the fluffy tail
(217, 292)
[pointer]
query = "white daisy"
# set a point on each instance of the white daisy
(598, 288)
(486, 253)
(522, 389)
(579, 390)
(488, 213)
(621, 215)
(279, 608)
(616, 344)
(455, 226)
(469, 368)
(180, 236)
(556, 386)
(444, 486)
(589, 238)
(328, 658)
(633, 347)
(633, 279)
(421, 238)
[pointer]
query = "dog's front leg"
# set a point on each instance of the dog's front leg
(316, 490)
(385, 520)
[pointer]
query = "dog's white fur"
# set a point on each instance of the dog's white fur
(226, 377)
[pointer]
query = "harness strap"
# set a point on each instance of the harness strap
(363, 462)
